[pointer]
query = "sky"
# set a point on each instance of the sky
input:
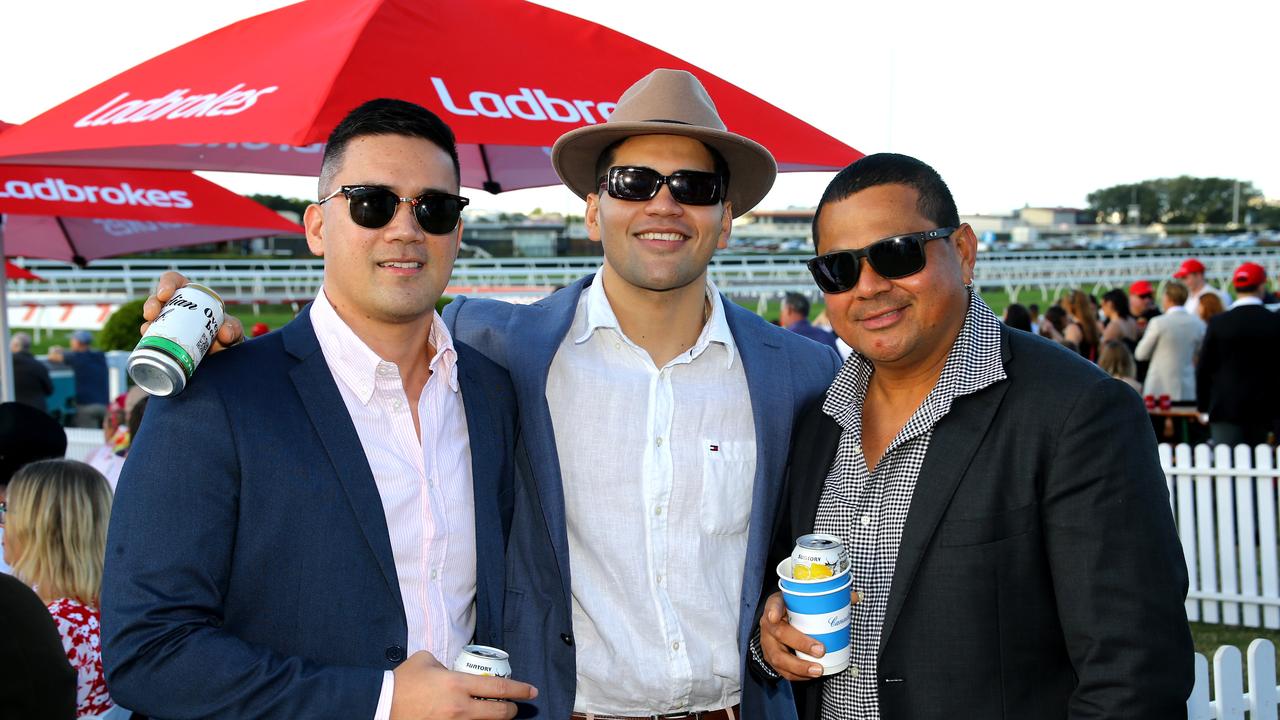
(1014, 102)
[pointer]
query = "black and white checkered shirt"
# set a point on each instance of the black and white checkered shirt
(869, 509)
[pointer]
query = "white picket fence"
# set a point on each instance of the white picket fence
(1231, 698)
(1224, 501)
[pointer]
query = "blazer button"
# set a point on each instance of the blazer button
(567, 638)
(395, 653)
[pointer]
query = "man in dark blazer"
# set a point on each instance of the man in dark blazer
(37, 681)
(267, 520)
(1237, 383)
(1012, 548)
(648, 313)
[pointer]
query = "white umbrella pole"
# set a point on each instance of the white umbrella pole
(6, 359)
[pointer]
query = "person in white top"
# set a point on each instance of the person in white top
(337, 480)
(1192, 273)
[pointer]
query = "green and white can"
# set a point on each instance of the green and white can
(177, 340)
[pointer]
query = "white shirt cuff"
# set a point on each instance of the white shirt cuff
(384, 698)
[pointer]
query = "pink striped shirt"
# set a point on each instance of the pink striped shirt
(424, 479)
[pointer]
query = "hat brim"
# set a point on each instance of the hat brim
(751, 167)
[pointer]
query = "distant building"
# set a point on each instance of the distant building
(1055, 217)
(774, 231)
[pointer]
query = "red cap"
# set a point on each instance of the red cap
(1248, 275)
(259, 329)
(1188, 266)
(1141, 287)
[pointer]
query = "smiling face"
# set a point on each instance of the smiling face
(393, 274)
(658, 244)
(907, 321)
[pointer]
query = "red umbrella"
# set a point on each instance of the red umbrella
(508, 76)
(14, 272)
(81, 214)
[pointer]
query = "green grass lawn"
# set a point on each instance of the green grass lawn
(1208, 638)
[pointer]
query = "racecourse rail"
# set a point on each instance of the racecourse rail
(1031, 275)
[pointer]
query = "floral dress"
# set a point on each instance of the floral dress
(81, 639)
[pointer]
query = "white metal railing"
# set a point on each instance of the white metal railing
(1225, 504)
(1232, 698)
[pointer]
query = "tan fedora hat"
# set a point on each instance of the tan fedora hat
(667, 102)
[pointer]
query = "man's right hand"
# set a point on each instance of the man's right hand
(426, 689)
(231, 332)
(779, 641)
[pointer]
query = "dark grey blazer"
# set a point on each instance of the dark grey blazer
(1039, 574)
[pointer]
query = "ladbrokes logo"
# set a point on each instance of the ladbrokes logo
(57, 189)
(174, 106)
(526, 104)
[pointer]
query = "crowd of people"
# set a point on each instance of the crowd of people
(1185, 344)
(33, 384)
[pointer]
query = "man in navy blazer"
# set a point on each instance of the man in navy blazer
(266, 524)
(603, 550)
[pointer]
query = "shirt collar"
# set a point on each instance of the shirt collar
(356, 365)
(599, 315)
(974, 363)
(1177, 308)
(1247, 300)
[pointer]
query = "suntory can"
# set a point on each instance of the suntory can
(818, 556)
(177, 340)
(483, 660)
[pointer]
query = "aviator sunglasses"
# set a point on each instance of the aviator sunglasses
(373, 207)
(891, 258)
(688, 187)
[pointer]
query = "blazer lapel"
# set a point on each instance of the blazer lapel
(535, 333)
(485, 436)
(810, 464)
(329, 418)
(951, 449)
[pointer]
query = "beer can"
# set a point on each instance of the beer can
(177, 341)
(483, 660)
(817, 556)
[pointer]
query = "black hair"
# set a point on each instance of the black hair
(798, 303)
(605, 161)
(1017, 317)
(1119, 300)
(1057, 317)
(386, 116)
(935, 201)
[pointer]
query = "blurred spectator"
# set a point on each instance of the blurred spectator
(1055, 324)
(1017, 317)
(36, 680)
(794, 316)
(1237, 381)
(1171, 343)
(1191, 272)
(1142, 304)
(1034, 311)
(259, 329)
(1121, 325)
(109, 459)
(91, 380)
(56, 538)
(56, 358)
(1083, 329)
(1116, 361)
(26, 435)
(1210, 305)
(31, 383)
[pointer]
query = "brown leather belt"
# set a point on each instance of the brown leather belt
(729, 713)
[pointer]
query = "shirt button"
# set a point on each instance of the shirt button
(866, 520)
(675, 645)
(384, 370)
(657, 510)
(659, 578)
(435, 574)
(659, 442)
(857, 448)
(854, 670)
(396, 405)
(617, 346)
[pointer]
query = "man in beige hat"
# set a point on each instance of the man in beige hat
(655, 417)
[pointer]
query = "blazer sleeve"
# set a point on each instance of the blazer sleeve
(1118, 572)
(169, 557)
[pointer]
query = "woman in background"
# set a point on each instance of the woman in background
(1083, 330)
(55, 538)
(1116, 361)
(1210, 305)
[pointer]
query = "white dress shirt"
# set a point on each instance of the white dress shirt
(424, 480)
(1245, 300)
(658, 467)
(1193, 299)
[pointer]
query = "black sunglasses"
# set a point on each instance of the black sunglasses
(688, 187)
(373, 207)
(891, 258)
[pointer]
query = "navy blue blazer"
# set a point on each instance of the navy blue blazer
(784, 373)
(249, 570)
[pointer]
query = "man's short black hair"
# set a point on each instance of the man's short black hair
(721, 166)
(935, 201)
(386, 116)
(798, 303)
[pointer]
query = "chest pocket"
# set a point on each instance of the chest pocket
(728, 476)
